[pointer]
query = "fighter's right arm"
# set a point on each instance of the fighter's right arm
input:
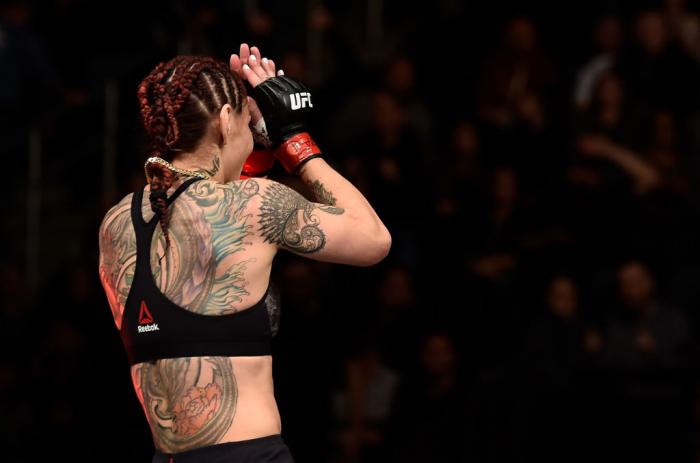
(342, 226)
(344, 230)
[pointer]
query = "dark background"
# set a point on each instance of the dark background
(536, 162)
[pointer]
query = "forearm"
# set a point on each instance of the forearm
(329, 187)
(645, 175)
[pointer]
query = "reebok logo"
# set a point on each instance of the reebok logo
(146, 320)
(300, 100)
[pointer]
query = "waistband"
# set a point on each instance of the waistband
(230, 451)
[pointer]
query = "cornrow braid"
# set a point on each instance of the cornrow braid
(161, 180)
(177, 101)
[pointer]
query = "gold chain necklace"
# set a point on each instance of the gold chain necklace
(163, 162)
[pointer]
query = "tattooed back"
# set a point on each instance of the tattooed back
(223, 240)
(216, 264)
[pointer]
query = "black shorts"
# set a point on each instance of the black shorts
(268, 449)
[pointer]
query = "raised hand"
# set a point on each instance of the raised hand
(254, 69)
(251, 66)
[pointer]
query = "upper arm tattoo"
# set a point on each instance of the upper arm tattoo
(289, 220)
(324, 196)
(117, 256)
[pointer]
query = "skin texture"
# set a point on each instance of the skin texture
(221, 235)
(224, 234)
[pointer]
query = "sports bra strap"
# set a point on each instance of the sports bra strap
(137, 199)
(181, 188)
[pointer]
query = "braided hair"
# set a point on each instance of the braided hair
(178, 99)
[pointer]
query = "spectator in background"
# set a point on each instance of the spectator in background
(559, 340)
(608, 175)
(639, 173)
(607, 38)
(530, 145)
(516, 91)
(59, 364)
(645, 357)
(607, 141)
(645, 332)
(29, 91)
(306, 326)
(363, 406)
(519, 68)
(196, 39)
(393, 156)
(487, 304)
(26, 75)
(665, 155)
(400, 82)
(495, 235)
(433, 420)
(456, 187)
(665, 215)
(556, 360)
(657, 71)
(610, 112)
(322, 46)
(683, 26)
(394, 321)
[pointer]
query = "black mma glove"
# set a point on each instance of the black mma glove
(285, 104)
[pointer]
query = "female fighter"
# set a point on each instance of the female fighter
(185, 262)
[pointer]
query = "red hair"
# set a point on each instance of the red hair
(178, 99)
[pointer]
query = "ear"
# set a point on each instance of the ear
(225, 120)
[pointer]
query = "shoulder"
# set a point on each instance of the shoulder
(116, 213)
(257, 193)
(229, 190)
(213, 197)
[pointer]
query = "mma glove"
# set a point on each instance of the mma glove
(285, 104)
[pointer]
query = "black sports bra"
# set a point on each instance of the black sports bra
(153, 327)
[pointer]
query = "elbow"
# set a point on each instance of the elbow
(379, 248)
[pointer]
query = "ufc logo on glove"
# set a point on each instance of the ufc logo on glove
(300, 100)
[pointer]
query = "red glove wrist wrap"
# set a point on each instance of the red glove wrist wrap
(258, 164)
(296, 150)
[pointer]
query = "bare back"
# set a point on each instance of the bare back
(216, 265)
(224, 237)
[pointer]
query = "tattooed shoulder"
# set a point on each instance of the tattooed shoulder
(117, 260)
(289, 220)
(204, 271)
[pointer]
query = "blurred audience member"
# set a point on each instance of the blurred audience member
(645, 333)
(433, 420)
(363, 407)
(305, 320)
(557, 361)
(495, 236)
(658, 72)
(607, 38)
(396, 162)
(395, 320)
(401, 82)
(684, 26)
(517, 69)
(665, 155)
(648, 381)
(456, 188)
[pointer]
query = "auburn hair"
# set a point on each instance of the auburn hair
(178, 100)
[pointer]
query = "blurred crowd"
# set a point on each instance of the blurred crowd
(538, 168)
